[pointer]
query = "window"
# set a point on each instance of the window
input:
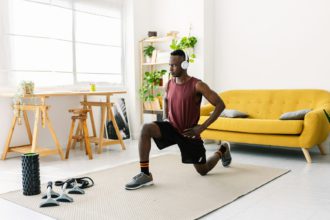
(64, 42)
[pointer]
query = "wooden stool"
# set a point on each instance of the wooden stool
(81, 134)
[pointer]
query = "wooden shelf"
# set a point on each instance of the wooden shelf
(153, 111)
(157, 39)
(153, 64)
(156, 63)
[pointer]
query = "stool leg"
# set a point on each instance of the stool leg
(87, 144)
(81, 133)
(103, 119)
(76, 134)
(70, 139)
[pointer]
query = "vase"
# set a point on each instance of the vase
(26, 87)
(30, 174)
(148, 59)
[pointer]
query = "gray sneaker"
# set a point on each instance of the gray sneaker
(226, 157)
(139, 180)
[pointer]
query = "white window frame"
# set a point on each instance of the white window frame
(75, 83)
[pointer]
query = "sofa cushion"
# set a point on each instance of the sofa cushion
(257, 126)
(232, 113)
(271, 104)
(296, 115)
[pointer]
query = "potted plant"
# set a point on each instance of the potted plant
(147, 52)
(24, 88)
(149, 92)
(187, 44)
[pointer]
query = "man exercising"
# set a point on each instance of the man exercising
(182, 101)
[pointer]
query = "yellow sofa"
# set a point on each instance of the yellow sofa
(263, 126)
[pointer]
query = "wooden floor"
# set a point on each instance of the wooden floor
(302, 194)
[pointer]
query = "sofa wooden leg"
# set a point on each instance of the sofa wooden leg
(321, 148)
(307, 155)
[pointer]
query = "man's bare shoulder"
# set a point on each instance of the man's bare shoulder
(201, 86)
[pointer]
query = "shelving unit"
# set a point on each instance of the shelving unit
(159, 43)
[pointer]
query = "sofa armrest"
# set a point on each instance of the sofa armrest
(316, 127)
(206, 109)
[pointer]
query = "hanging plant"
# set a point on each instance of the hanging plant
(185, 44)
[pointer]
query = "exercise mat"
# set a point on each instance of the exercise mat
(179, 192)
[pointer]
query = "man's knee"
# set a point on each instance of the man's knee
(150, 130)
(146, 129)
(202, 170)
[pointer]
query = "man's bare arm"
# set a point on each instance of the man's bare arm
(214, 99)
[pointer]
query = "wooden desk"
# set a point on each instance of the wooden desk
(41, 110)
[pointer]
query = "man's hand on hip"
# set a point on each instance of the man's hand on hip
(193, 132)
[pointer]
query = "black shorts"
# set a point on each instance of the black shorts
(192, 150)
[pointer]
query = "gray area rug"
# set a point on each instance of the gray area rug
(178, 192)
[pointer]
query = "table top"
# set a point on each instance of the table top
(66, 93)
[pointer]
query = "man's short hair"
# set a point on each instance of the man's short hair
(180, 53)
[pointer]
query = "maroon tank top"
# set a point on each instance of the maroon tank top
(183, 104)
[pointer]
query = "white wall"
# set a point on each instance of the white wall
(272, 44)
(137, 23)
(174, 15)
(209, 42)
